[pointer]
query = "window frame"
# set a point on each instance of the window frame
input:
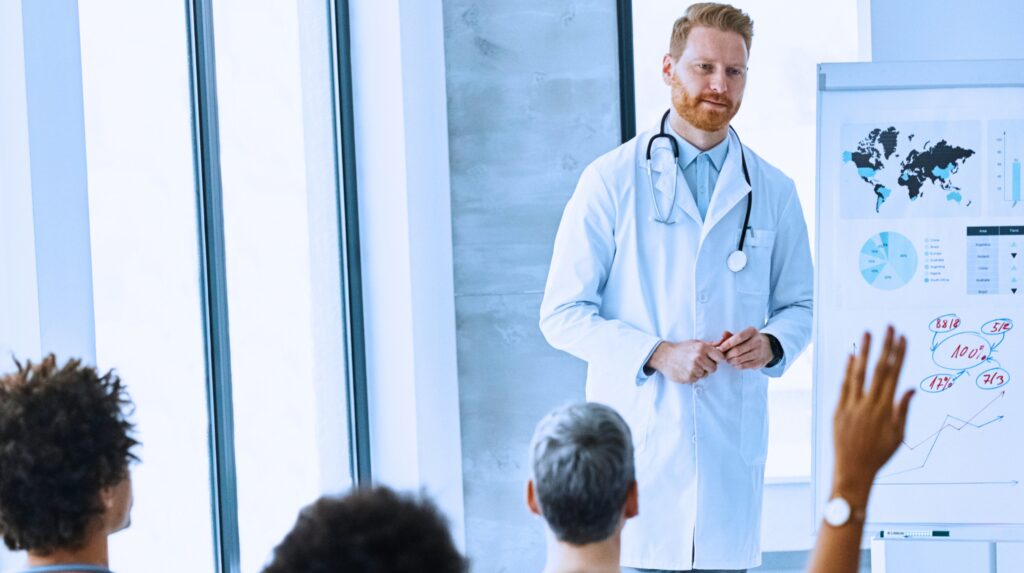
(214, 298)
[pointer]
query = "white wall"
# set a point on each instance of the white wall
(405, 231)
(911, 30)
(19, 302)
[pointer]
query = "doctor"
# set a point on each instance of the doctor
(679, 331)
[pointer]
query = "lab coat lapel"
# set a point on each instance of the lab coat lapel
(730, 189)
(662, 164)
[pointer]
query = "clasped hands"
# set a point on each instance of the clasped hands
(689, 361)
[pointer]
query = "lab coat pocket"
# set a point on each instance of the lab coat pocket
(754, 427)
(755, 278)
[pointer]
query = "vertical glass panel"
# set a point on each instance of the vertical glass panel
(19, 298)
(283, 263)
(143, 228)
(777, 121)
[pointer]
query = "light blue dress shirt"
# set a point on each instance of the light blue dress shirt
(701, 169)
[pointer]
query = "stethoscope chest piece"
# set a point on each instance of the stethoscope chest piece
(737, 261)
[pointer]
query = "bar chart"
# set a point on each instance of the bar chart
(1015, 182)
(1007, 152)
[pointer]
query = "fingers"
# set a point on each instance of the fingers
(709, 365)
(893, 368)
(902, 409)
(887, 373)
(697, 373)
(715, 354)
(859, 366)
(726, 335)
(752, 356)
(737, 339)
(741, 349)
(846, 392)
(882, 368)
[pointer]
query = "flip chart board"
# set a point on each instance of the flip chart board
(920, 224)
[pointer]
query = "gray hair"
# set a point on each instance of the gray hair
(582, 461)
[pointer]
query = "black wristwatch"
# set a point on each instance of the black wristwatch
(776, 350)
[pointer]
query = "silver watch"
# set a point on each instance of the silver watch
(837, 512)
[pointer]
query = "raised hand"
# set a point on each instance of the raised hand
(867, 426)
(866, 430)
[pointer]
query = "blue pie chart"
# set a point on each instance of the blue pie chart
(888, 260)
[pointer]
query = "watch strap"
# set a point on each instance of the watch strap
(777, 352)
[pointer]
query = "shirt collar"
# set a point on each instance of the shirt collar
(688, 152)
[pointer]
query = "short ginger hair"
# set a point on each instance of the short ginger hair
(711, 15)
(64, 437)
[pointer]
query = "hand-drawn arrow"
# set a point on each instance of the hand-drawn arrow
(934, 437)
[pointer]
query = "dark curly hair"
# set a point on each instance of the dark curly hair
(64, 436)
(368, 531)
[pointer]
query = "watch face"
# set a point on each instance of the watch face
(837, 512)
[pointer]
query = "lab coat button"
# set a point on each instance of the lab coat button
(703, 297)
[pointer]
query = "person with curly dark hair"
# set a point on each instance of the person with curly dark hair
(65, 449)
(370, 530)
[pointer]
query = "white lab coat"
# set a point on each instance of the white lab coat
(620, 282)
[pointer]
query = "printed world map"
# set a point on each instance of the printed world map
(919, 170)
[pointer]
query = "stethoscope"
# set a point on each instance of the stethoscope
(737, 260)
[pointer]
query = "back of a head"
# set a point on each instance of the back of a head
(582, 461)
(64, 437)
(371, 531)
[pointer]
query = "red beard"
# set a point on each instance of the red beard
(700, 115)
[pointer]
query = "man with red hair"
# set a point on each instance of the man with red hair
(682, 274)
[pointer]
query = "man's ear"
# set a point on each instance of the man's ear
(531, 498)
(668, 66)
(632, 507)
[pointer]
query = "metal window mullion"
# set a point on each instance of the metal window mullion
(348, 226)
(627, 85)
(213, 286)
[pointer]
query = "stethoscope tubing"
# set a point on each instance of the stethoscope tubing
(666, 220)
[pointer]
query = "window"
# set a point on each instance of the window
(145, 268)
(99, 98)
(281, 235)
(778, 121)
(119, 226)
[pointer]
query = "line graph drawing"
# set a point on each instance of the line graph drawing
(934, 437)
(958, 351)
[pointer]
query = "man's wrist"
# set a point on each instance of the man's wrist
(649, 367)
(777, 352)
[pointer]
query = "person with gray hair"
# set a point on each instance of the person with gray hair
(583, 484)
